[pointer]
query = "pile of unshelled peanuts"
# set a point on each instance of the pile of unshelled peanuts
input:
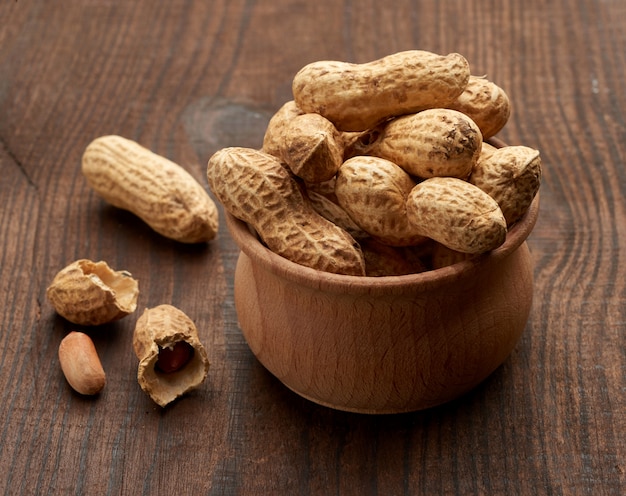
(381, 168)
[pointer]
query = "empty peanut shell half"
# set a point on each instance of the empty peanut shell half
(172, 361)
(91, 293)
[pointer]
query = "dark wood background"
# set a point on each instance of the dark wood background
(186, 78)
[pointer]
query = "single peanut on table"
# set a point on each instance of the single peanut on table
(172, 360)
(161, 193)
(255, 187)
(357, 97)
(91, 293)
(80, 364)
(457, 214)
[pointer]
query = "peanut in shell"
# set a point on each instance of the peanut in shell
(456, 214)
(485, 103)
(431, 143)
(511, 175)
(357, 97)
(374, 192)
(255, 187)
(164, 327)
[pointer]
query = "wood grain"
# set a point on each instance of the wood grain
(186, 78)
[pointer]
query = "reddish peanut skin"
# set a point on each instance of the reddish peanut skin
(175, 357)
(356, 97)
(80, 364)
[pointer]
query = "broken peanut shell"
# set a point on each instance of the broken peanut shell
(91, 293)
(172, 360)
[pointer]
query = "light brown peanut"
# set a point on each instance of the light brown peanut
(80, 364)
(158, 191)
(457, 214)
(432, 143)
(336, 214)
(91, 293)
(374, 192)
(512, 176)
(312, 148)
(272, 140)
(357, 97)
(172, 360)
(485, 103)
(254, 187)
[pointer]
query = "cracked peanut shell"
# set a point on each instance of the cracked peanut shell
(91, 293)
(163, 328)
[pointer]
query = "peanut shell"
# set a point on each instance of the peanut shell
(512, 176)
(374, 192)
(485, 103)
(312, 148)
(162, 327)
(432, 143)
(158, 191)
(357, 97)
(457, 214)
(273, 138)
(91, 293)
(254, 187)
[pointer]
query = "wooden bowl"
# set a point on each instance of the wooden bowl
(383, 344)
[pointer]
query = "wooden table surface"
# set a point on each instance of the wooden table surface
(185, 78)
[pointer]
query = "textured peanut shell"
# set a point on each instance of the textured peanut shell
(374, 192)
(486, 151)
(312, 148)
(81, 364)
(254, 187)
(161, 193)
(432, 143)
(511, 175)
(336, 214)
(273, 138)
(91, 293)
(357, 97)
(160, 327)
(456, 214)
(485, 103)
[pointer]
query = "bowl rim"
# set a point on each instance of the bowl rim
(251, 246)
